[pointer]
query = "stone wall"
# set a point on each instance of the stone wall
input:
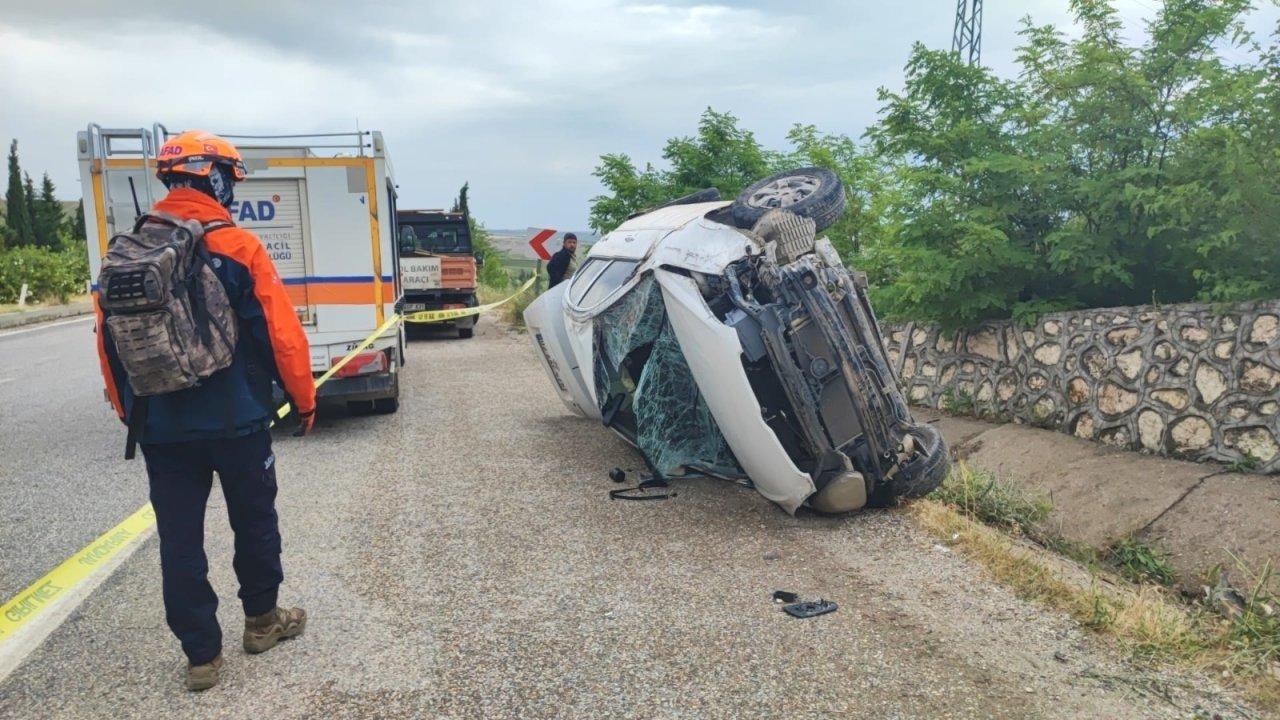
(1193, 381)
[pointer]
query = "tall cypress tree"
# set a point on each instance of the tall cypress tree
(29, 191)
(18, 209)
(460, 203)
(47, 217)
(76, 223)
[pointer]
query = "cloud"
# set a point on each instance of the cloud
(520, 98)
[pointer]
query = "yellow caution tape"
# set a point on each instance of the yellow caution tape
(29, 603)
(430, 316)
(425, 316)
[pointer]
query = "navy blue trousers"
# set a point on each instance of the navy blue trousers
(181, 476)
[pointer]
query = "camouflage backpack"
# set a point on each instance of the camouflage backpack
(169, 316)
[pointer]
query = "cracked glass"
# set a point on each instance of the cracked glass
(639, 358)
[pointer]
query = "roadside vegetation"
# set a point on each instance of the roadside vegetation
(496, 277)
(1101, 174)
(40, 245)
(1123, 593)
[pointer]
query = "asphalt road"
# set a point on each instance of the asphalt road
(63, 477)
(462, 559)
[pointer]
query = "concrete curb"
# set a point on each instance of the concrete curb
(56, 312)
(1199, 513)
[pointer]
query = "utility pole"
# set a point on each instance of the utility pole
(966, 41)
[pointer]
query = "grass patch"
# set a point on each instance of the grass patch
(1234, 634)
(959, 402)
(1140, 562)
(512, 312)
(987, 499)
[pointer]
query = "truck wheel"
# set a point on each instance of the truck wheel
(814, 193)
(920, 475)
(466, 332)
(386, 406)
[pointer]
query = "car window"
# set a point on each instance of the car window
(612, 278)
(423, 238)
(584, 277)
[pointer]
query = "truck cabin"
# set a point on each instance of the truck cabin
(433, 232)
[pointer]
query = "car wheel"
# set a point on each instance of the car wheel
(814, 193)
(701, 196)
(919, 476)
(466, 332)
(386, 406)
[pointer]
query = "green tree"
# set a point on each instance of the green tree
(75, 225)
(460, 202)
(18, 217)
(971, 215)
(721, 155)
(492, 271)
(47, 217)
(32, 200)
(1103, 173)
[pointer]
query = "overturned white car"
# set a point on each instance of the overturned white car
(725, 339)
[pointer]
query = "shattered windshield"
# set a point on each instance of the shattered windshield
(647, 391)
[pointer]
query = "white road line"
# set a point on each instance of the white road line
(45, 326)
(30, 636)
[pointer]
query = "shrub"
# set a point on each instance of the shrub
(48, 274)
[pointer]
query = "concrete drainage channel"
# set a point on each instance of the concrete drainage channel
(1200, 514)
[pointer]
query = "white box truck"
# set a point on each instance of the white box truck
(324, 207)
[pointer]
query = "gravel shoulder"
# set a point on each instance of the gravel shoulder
(462, 559)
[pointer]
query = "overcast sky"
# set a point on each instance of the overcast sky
(519, 98)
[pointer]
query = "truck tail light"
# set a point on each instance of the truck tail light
(454, 306)
(366, 363)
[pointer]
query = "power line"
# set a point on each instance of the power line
(966, 39)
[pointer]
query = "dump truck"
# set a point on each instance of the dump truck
(437, 263)
(324, 208)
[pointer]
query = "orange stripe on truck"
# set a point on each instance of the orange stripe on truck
(343, 293)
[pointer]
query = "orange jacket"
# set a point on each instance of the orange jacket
(268, 322)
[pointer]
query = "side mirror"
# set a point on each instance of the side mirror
(479, 259)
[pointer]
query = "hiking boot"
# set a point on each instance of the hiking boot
(261, 633)
(203, 677)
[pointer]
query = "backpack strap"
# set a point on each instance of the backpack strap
(163, 218)
(137, 423)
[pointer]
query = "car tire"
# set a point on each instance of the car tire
(814, 193)
(919, 476)
(386, 406)
(702, 196)
(467, 332)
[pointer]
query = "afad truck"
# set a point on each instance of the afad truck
(437, 264)
(324, 207)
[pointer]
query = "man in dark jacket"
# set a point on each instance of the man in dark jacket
(563, 263)
(220, 425)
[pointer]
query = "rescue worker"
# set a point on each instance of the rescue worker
(563, 262)
(221, 425)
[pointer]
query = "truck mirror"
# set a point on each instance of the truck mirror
(479, 259)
